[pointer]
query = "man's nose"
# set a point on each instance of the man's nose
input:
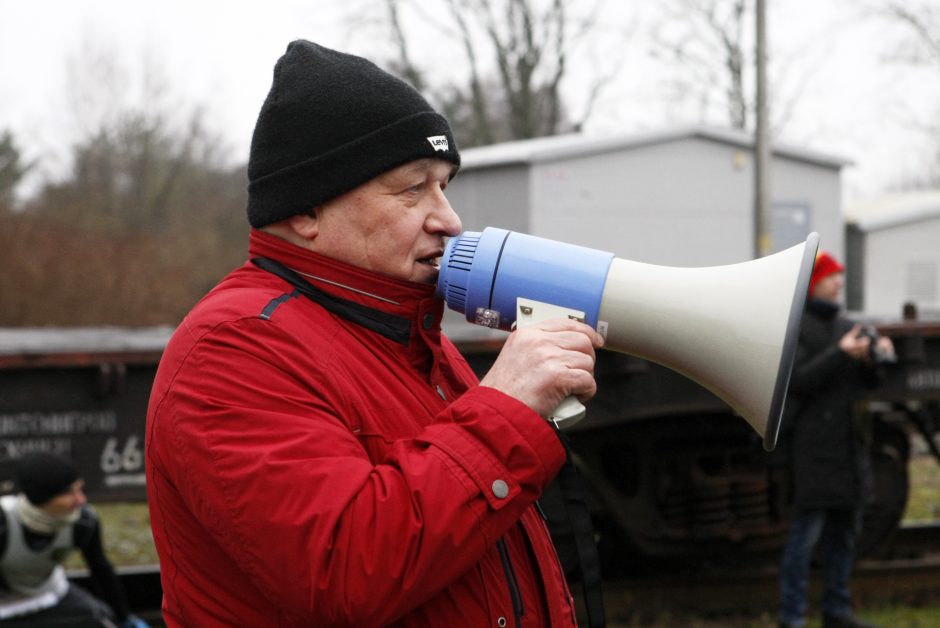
(444, 219)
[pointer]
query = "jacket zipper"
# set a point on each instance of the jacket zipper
(517, 608)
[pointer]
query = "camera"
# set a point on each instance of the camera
(877, 354)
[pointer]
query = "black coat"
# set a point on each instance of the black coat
(826, 440)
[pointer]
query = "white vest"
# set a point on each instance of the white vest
(36, 578)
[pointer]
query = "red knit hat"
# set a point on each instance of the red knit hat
(826, 265)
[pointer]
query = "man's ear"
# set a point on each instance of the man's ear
(306, 226)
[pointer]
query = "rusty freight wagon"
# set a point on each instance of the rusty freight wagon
(671, 471)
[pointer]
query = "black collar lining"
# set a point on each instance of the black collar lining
(396, 328)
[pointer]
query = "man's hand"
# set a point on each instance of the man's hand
(884, 346)
(543, 363)
(855, 346)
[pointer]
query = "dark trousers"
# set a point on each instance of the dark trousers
(835, 530)
(78, 609)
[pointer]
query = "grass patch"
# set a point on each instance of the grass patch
(125, 530)
(923, 500)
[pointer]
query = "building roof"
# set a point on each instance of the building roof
(891, 210)
(543, 149)
(39, 340)
(80, 346)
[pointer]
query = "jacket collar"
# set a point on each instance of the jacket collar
(417, 303)
(823, 309)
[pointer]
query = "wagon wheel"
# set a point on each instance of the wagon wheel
(889, 456)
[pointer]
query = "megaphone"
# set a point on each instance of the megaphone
(732, 329)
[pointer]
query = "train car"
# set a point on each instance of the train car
(671, 471)
(82, 393)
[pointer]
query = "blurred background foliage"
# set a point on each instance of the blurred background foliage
(146, 220)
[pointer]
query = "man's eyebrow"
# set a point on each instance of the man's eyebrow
(407, 170)
(417, 168)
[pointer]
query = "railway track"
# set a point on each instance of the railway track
(874, 583)
(908, 575)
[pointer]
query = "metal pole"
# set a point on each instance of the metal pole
(763, 239)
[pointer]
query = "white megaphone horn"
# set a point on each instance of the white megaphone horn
(732, 329)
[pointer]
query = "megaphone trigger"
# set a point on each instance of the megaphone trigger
(530, 311)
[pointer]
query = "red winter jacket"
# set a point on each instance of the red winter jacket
(331, 461)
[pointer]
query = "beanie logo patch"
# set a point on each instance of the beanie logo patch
(439, 142)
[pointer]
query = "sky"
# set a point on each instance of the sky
(220, 56)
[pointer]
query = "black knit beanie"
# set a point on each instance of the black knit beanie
(42, 476)
(331, 122)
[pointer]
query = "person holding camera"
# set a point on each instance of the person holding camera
(318, 453)
(39, 527)
(827, 447)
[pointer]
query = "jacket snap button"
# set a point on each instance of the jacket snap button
(500, 489)
(428, 321)
(501, 622)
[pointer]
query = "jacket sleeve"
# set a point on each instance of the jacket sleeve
(265, 461)
(88, 539)
(813, 372)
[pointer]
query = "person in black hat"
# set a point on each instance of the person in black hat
(39, 527)
(318, 453)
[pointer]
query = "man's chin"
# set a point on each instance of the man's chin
(425, 273)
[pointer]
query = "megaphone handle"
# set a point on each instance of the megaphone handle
(568, 412)
(529, 311)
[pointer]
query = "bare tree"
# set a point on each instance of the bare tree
(703, 41)
(516, 54)
(134, 154)
(706, 49)
(919, 48)
(921, 20)
(12, 170)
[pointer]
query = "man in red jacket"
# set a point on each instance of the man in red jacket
(318, 453)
